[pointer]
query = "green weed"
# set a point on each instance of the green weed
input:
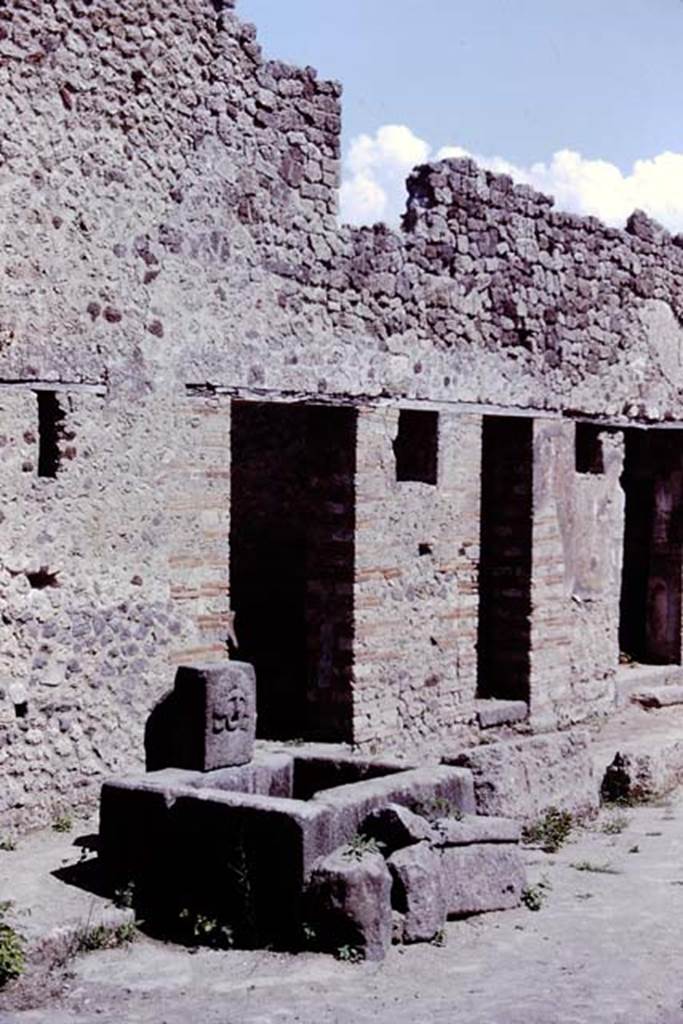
(12, 956)
(62, 823)
(207, 931)
(615, 824)
(360, 845)
(437, 807)
(550, 832)
(350, 955)
(596, 869)
(90, 938)
(534, 896)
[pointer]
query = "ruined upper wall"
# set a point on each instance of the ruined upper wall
(168, 216)
(578, 297)
(500, 299)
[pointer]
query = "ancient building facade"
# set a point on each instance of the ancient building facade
(401, 472)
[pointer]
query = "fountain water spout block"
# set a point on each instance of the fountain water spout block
(217, 706)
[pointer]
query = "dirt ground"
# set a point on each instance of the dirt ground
(605, 946)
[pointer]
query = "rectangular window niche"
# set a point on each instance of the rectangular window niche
(50, 429)
(416, 447)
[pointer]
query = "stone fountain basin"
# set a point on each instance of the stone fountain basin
(249, 836)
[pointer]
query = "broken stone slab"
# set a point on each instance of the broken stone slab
(480, 878)
(521, 777)
(635, 776)
(349, 903)
(418, 891)
(491, 713)
(475, 829)
(395, 827)
(659, 696)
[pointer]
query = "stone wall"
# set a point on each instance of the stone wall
(169, 244)
(577, 561)
(417, 547)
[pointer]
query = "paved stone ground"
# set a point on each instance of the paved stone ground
(603, 948)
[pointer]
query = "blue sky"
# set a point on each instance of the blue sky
(579, 97)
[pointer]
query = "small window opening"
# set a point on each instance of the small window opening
(42, 578)
(416, 446)
(21, 709)
(588, 449)
(50, 425)
(425, 549)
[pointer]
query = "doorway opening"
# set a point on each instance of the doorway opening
(650, 606)
(504, 634)
(292, 563)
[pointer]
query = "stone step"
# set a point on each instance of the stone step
(659, 696)
(632, 679)
(491, 713)
(642, 750)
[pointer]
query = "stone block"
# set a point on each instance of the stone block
(418, 891)
(134, 828)
(395, 827)
(659, 696)
(351, 804)
(474, 829)
(217, 707)
(349, 903)
(491, 713)
(521, 778)
(642, 774)
(483, 877)
(267, 774)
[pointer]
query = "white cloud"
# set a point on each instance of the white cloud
(375, 169)
(373, 187)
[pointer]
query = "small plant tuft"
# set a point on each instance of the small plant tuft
(8, 844)
(595, 869)
(12, 957)
(360, 845)
(124, 897)
(550, 832)
(350, 955)
(62, 823)
(534, 896)
(615, 824)
(90, 938)
(437, 807)
(202, 930)
(440, 938)
(309, 935)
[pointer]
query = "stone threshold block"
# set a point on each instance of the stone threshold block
(659, 696)
(491, 713)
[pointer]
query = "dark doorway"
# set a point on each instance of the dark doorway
(292, 563)
(650, 609)
(504, 635)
